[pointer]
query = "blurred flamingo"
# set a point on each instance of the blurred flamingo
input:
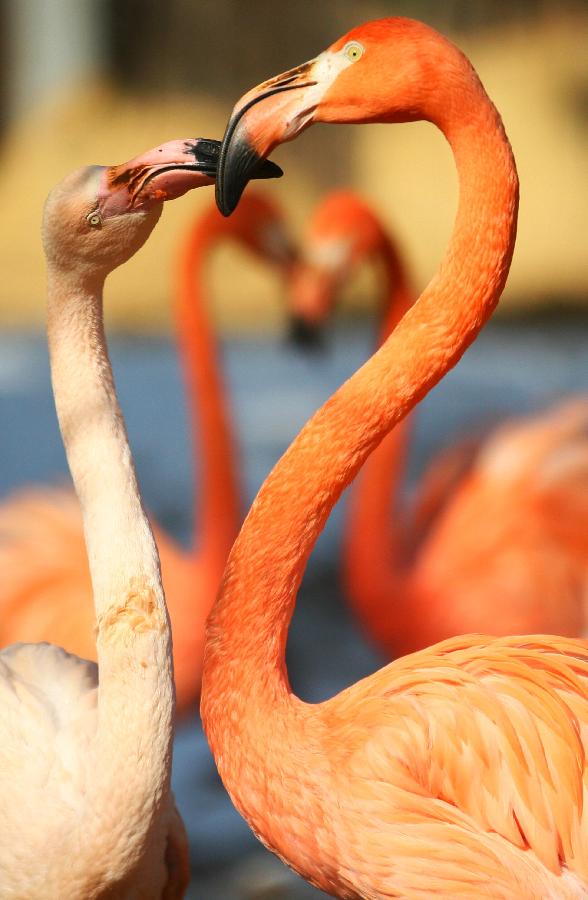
(45, 589)
(458, 770)
(497, 539)
(86, 806)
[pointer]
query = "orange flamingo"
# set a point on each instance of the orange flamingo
(45, 590)
(496, 541)
(458, 770)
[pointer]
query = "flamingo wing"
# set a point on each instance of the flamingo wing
(509, 553)
(542, 452)
(464, 768)
(47, 722)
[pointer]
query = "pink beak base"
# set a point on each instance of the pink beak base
(164, 173)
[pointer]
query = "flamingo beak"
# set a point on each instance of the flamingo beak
(310, 300)
(164, 173)
(306, 335)
(257, 126)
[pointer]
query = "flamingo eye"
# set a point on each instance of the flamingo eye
(353, 51)
(94, 219)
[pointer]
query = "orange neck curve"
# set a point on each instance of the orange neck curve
(372, 543)
(247, 704)
(216, 489)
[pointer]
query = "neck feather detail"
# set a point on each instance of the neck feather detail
(136, 694)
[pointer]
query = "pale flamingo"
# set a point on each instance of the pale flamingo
(45, 589)
(496, 540)
(458, 770)
(86, 808)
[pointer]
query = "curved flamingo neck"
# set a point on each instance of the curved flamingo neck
(372, 543)
(133, 743)
(216, 491)
(246, 695)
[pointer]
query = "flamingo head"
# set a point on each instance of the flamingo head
(99, 216)
(342, 232)
(384, 71)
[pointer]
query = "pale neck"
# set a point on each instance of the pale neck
(244, 667)
(372, 544)
(216, 489)
(136, 697)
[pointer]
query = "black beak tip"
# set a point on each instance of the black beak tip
(238, 164)
(206, 154)
(204, 150)
(305, 335)
(226, 203)
(267, 169)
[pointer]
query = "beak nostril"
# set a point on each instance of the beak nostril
(289, 76)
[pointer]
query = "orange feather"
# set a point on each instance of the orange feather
(460, 770)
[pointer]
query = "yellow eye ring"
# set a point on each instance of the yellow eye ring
(94, 219)
(353, 51)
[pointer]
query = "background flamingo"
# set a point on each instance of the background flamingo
(86, 806)
(45, 589)
(496, 539)
(457, 770)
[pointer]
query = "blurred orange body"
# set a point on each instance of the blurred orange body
(496, 541)
(45, 590)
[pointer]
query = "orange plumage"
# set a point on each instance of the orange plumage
(460, 770)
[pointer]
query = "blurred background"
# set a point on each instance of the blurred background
(98, 81)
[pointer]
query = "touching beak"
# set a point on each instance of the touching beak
(164, 173)
(258, 124)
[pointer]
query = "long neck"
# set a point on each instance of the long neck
(372, 544)
(245, 682)
(217, 496)
(136, 695)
